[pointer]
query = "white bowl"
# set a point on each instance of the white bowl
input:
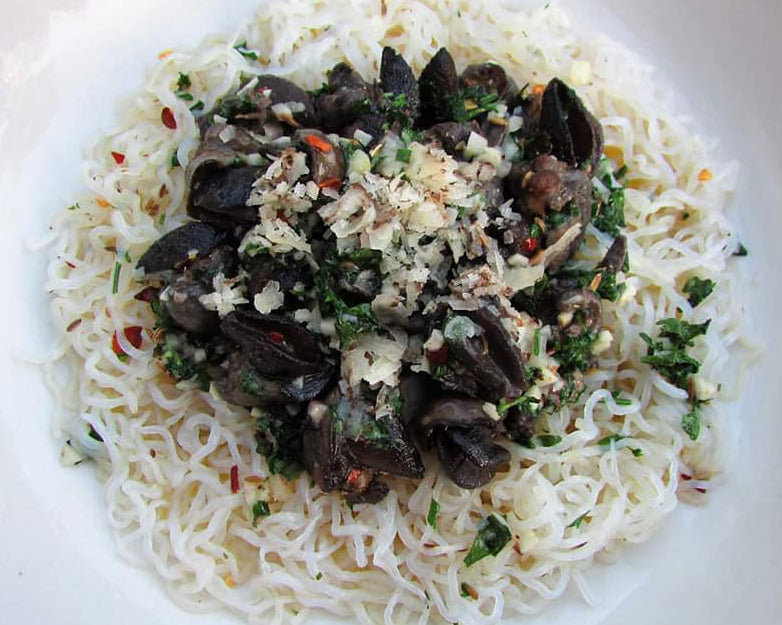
(64, 64)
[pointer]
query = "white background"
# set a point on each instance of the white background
(63, 64)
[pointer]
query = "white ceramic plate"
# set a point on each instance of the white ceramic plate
(63, 65)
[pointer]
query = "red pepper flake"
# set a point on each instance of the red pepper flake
(234, 479)
(321, 145)
(282, 216)
(438, 356)
(354, 475)
(70, 264)
(529, 245)
(277, 337)
(133, 334)
(146, 294)
(73, 325)
(119, 158)
(168, 119)
(330, 183)
(152, 453)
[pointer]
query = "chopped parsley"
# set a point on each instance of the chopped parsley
(434, 510)
(536, 342)
(403, 155)
(524, 402)
(574, 353)
(198, 106)
(608, 288)
(609, 212)
(698, 290)
(319, 576)
(242, 49)
(741, 250)
(468, 592)
(669, 358)
(579, 520)
(260, 509)
(183, 82)
(691, 422)
(73, 207)
(548, 440)
(615, 438)
(492, 536)
(174, 160)
(115, 278)
(278, 438)
(621, 401)
(473, 102)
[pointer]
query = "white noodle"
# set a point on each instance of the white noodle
(167, 452)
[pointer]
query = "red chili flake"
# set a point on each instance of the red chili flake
(234, 479)
(146, 294)
(529, 245)
(152, 453)
(119, 158)
(354, 475)
(283, 217)
(133, 334)
(701, 490)
(168, 119)
(73, 325)
(330, 183)
(277, 337)
(438, 356)
(70, 264)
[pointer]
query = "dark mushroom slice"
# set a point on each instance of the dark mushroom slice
(383, 445)
(489, 78)
(324, 452)
(461, 433)
(177, 246)
(616, 256)
(284, 270)
(222, 259)
(548, 188)
(397, 78)
(583, 311)
(181, 302)
(247, 108)
(311, 385)
(275, 345)
(468, 456)
(438, 86)
(374, 492)
(285, 92)
(576, 135)
(483, 362)
(347, 98)
(452, 136)
(219, 195)
(239, 383)
(326, 160)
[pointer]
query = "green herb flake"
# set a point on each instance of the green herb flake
(127, 257)
(548, 440)
(182, 95)
(242, 49)
(669, 358)
(691, 422)
(403, 155)
(741, 250)
(260, 509)
(613, 438)
(198, 106)
(434, 510)
(491, 538)
(524, 402)
(468, 592)
(698, 290)
(73, 207)
(621, 401)
(115, 279)
(174, 160)
(536, 342)
(183, 82)
(579, 520)
(319, 576)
